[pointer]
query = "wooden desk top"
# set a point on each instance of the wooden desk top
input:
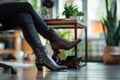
(65, 22)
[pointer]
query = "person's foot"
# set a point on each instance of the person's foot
(58, 60)
(43, 59)
(69, 61)
(63, 44)
(58, 42)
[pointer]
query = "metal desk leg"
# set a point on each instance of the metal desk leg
(75, 33)
(86, 54)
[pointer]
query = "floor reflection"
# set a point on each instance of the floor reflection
(33, 74)
(47, 76)
(92, 71)
(6, 76)
(50, 75)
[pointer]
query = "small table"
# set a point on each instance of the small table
(70, 24)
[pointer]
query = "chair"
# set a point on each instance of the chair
(7, 67)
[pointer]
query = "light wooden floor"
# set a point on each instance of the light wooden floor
(93, 71)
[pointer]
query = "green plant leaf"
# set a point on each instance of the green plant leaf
(71, 10)
(112, 36)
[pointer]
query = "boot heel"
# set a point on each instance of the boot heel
(43, 59)
(39, 67)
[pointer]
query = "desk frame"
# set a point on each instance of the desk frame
(58, 24)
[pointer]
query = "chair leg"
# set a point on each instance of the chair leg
(7, 68)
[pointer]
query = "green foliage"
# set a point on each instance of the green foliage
(111, 23)
(24, 0)
(34, 4)
(71, 10)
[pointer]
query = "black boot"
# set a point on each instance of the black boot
(58, 60)
(69, 61)
(43, 59)
(59, 43)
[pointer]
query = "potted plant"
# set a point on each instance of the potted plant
(111, 27)
(71, 10)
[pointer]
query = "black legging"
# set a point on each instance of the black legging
(22, 14)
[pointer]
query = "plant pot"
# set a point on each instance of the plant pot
(111, 55)
(75, 17)
(67, 16)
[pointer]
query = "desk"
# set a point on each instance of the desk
(70, 24)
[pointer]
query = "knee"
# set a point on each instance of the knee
(27, 5)
(24, 18)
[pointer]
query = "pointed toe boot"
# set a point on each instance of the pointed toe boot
(59, 43)
(43, 59)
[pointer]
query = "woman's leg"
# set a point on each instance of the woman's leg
(9, 10)
(24, 20)
(56, 41)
